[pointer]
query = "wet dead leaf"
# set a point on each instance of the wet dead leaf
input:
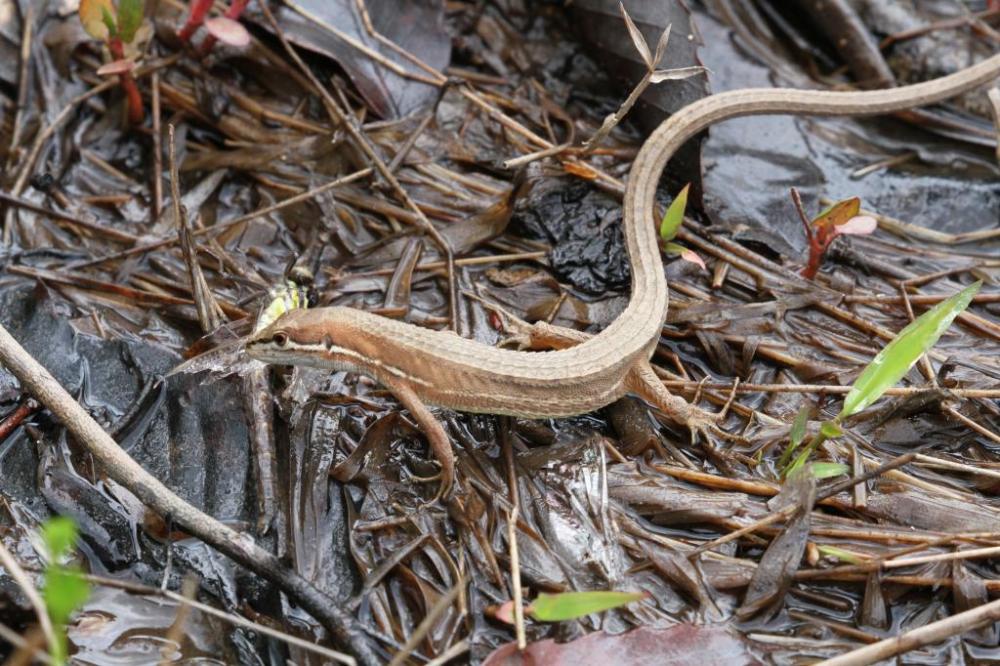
(682, 645)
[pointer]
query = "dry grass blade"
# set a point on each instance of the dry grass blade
(425, 625)
(209, 312)
(994, 97)
(640, 42)
(28, 589)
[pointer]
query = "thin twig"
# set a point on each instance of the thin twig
(354, 43)
(175, 634)
(23, 84)
(153, 493)
(691, 385)
(209, 314)
(994, 96)
(157, 147)
(439, 607)
(362, 142)
(934, 632)
(15, 571)
(229, 224)
(515, 579)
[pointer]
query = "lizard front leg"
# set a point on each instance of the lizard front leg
(432, 428)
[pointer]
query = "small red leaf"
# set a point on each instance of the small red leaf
(690, 255)
(504, 612)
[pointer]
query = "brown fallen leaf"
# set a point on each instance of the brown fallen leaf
(680, 645)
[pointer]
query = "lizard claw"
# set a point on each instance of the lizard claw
(705, 424)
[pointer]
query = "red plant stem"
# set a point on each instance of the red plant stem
(199, 9)
(815, 260)
(14, 419)
(132, 96)
(236, 8)
(233, 12)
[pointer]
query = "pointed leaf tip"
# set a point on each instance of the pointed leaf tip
(674, 216)
(896, 359)
(637, 39)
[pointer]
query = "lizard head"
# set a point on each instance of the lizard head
(301, 337)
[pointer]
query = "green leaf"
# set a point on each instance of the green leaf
(570, 605)
(840, 554)
(795, 435)
(798, 430)
(838, 212)
(890, 364)
(129, 19)
(674, 216)
(65, 591)
(799, 462)
(674, 248)
(830, 429)
(59, 536)
(826, 470)
(109, 21)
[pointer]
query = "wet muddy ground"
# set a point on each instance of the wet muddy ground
(324, 469)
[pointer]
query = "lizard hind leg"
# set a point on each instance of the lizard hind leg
(643, 382)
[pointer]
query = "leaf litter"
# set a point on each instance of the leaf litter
(605, 502)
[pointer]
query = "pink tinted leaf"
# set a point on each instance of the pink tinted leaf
(692, 256)
(859, 225)
(116, 67)
(838, 213)
(504, 612)
(228, 31)
(680, 645)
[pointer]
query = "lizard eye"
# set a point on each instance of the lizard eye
(280, 339)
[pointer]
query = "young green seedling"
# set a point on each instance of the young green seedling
(64, 590)
(118, 27)
(842, 218)
(671, 224)
(890, 365)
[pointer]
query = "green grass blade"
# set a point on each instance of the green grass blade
(826, 470)
(840, 554)
(798, 431)
(796, 435)
(674, 216)
(890, 364)
(570, 605)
